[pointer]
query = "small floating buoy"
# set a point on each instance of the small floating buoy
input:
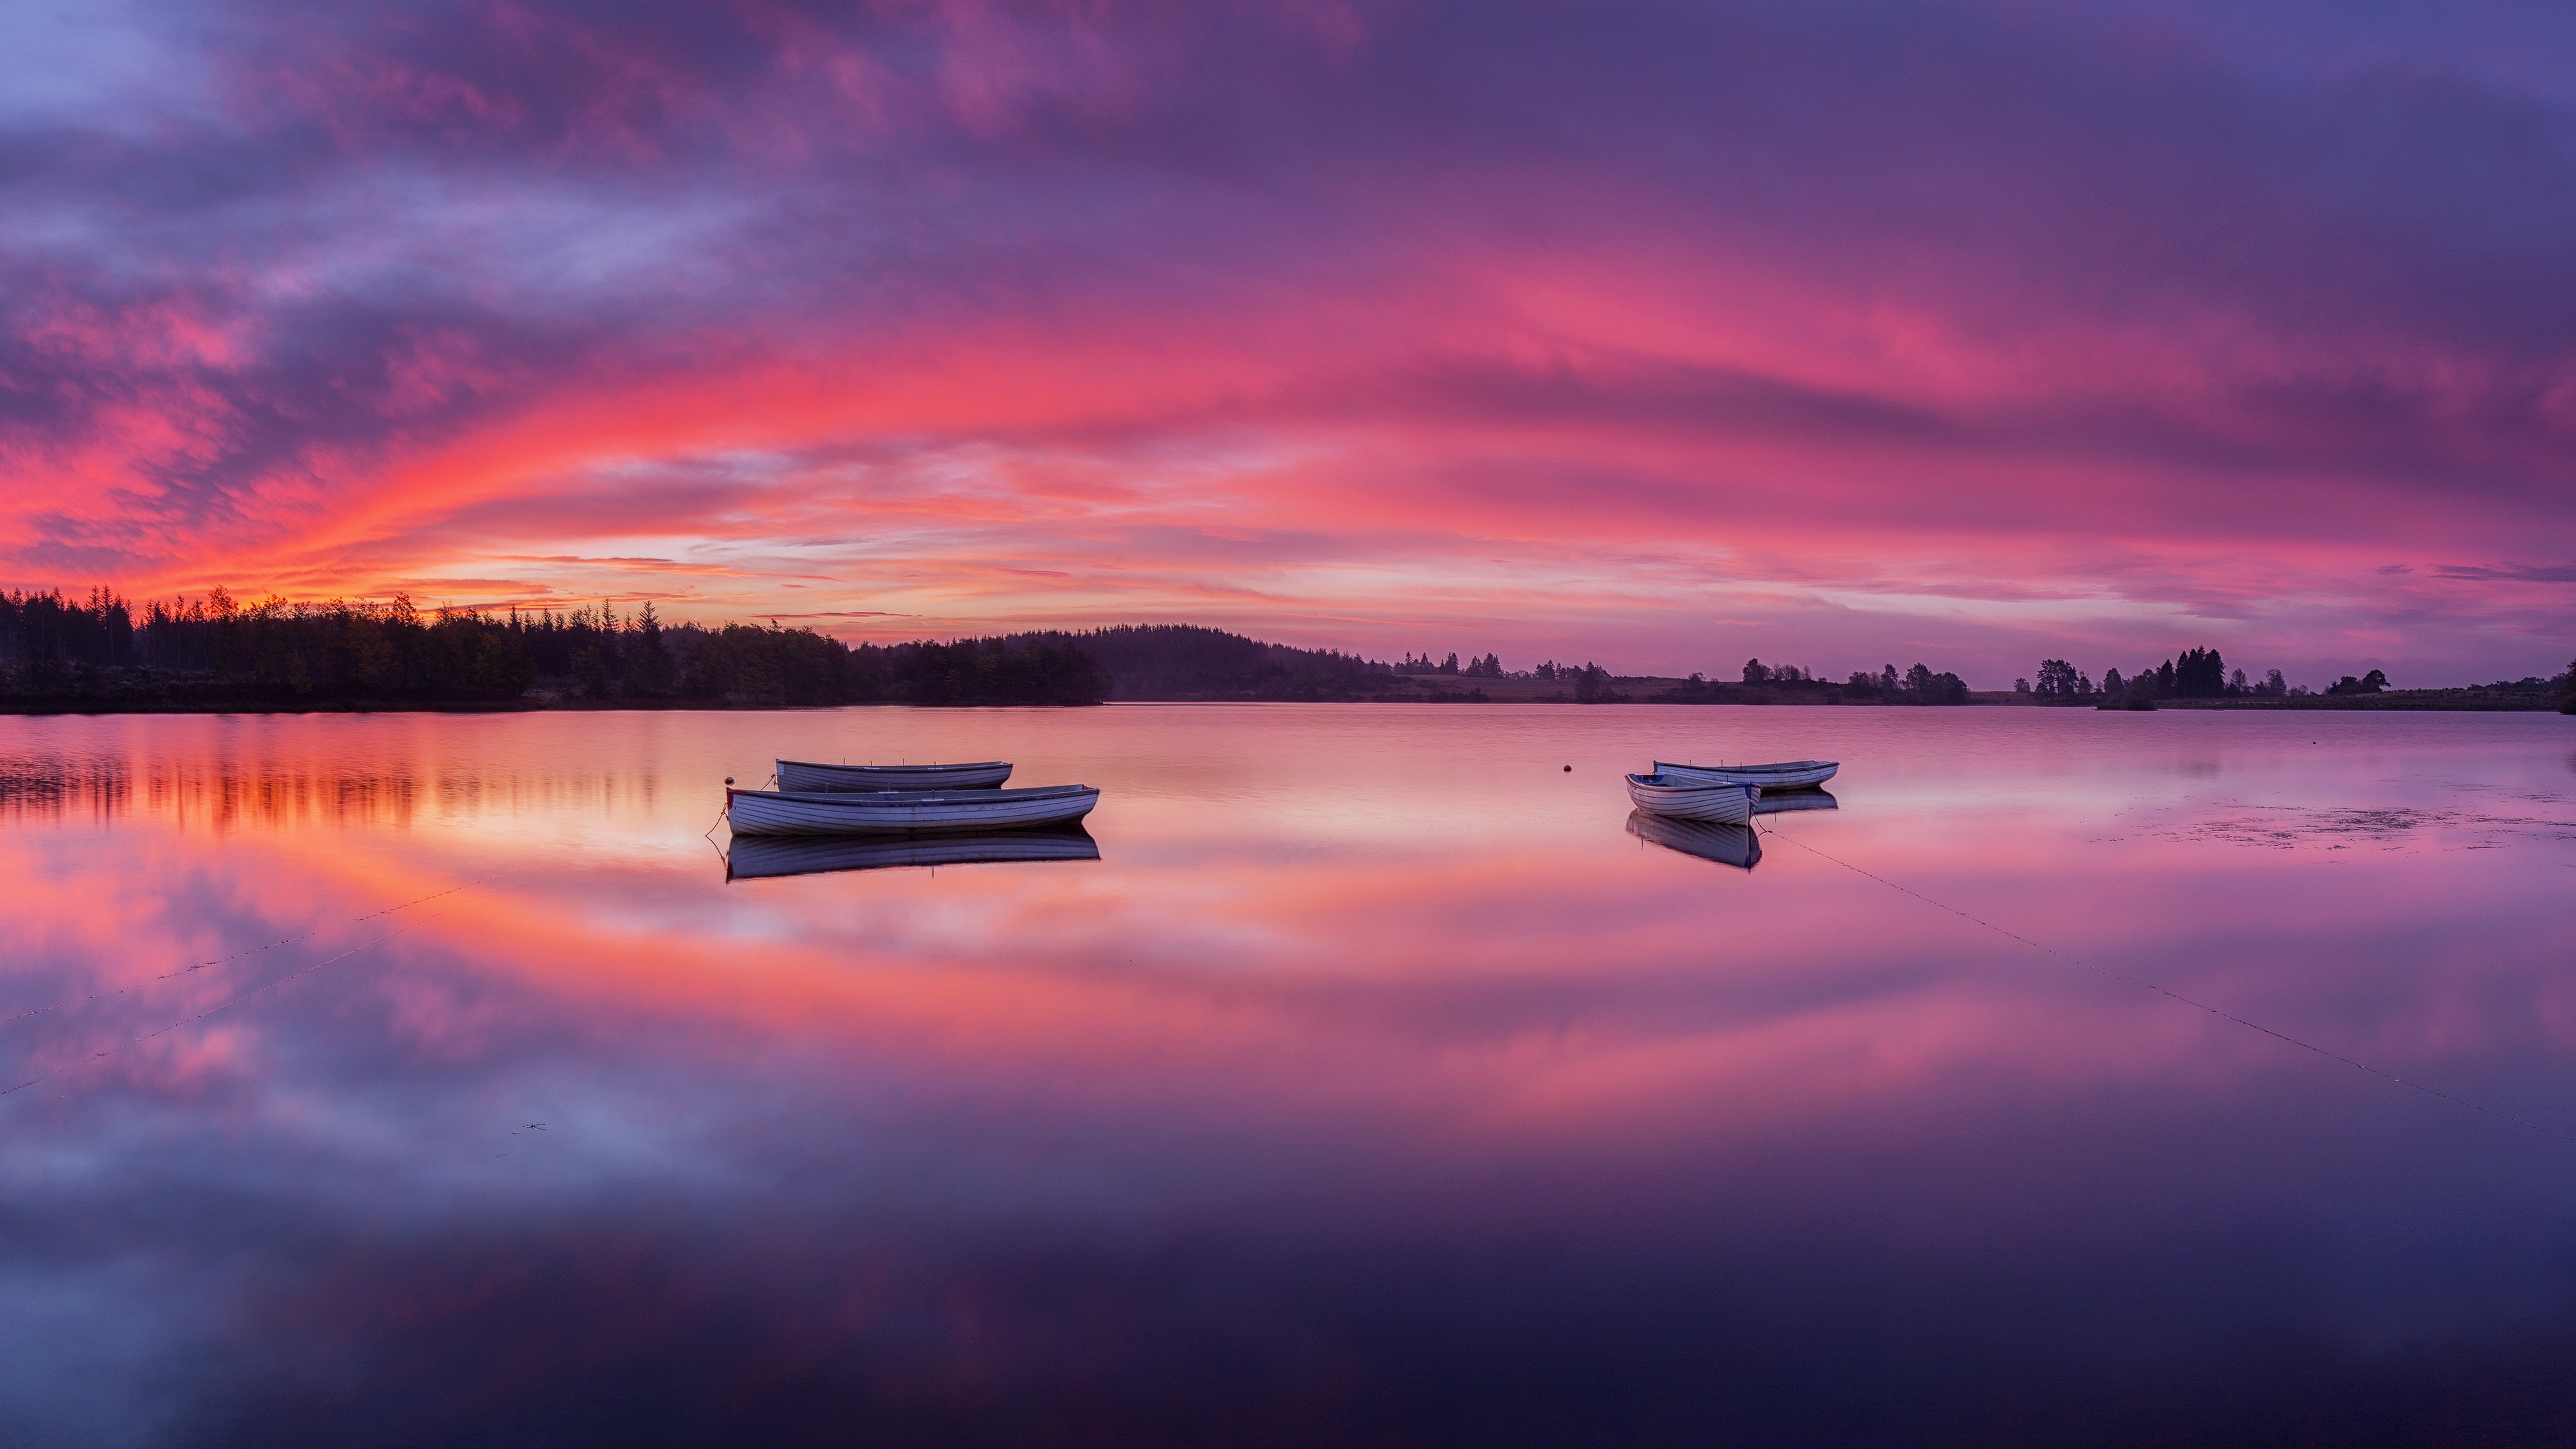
(728, 779)
(1569, 769)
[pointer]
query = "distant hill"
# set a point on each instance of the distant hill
(1188, 662)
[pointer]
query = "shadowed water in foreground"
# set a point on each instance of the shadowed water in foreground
(1361, 1077)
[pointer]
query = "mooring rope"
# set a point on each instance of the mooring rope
(2220, 1012)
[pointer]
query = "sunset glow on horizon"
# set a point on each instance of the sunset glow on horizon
(1663, 335)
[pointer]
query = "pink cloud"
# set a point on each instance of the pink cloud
(1378, 320)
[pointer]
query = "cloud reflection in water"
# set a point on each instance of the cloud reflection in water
(1374, 1085)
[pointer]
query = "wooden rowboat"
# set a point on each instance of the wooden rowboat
(756, 856)
(1792, 775)
(902, 812)
(1735, 845)
(806, 775)
(1715, 801)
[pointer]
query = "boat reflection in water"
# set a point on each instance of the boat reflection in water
(1734, 845)
(1782, 804)
(755, 856)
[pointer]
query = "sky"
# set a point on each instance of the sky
(1658, 334)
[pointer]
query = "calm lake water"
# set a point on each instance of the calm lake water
(423, 1079)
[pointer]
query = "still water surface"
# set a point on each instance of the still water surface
(1374, 1085)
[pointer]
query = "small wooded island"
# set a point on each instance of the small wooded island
(216, 654)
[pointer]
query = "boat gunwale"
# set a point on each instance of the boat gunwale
(903, 812)
(912, 799)
(1798, 775)
(1797, 767)
(1656, 781)
(814, 776)
(897, 769)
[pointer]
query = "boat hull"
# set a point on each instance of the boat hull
(807, 776)
(755, 857)
(902, 812)
(1735, 845)
(1796, 775)
(1712, 801)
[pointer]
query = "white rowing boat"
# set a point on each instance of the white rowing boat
(1735, 845)
(755, 856)
(902, 812)
(806, 775)
(1711, 800)
(1792, 775)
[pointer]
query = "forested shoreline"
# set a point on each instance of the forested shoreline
(100, 653)
(2201, 679)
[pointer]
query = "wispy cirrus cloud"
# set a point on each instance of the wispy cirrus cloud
(2514, 573)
